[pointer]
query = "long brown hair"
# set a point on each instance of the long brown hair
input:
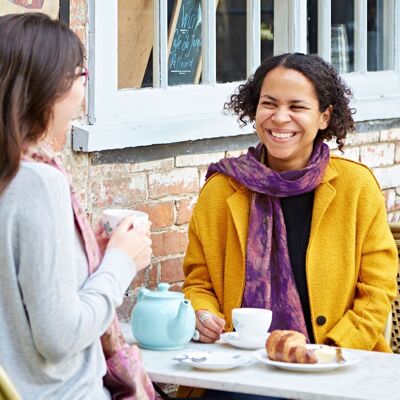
(38, 61)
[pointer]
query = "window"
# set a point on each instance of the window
(161, 70)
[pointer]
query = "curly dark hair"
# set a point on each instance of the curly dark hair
(329, 87)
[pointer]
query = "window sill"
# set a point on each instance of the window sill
(98, 137)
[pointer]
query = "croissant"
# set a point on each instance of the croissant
(289, 346)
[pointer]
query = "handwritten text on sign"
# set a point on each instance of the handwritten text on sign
(186, 45)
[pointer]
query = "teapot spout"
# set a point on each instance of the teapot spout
(182, 326)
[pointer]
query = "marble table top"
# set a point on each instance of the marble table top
(375, 377)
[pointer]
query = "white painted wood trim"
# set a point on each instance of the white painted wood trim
(377, 84)
(388, 34)
(208, 35)
(297, 26)
(360, 35)
(110, 136)
(281, 32)
(396, 39)
(253, 39)
(160, 45)
(91, 46)
(89, 138)
(175, 101)
(105, 63)
(130, 118)
(324, 29)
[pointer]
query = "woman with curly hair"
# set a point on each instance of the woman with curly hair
(289, 226)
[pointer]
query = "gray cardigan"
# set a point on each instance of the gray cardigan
(51, 313)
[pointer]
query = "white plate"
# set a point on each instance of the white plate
(213, 360)
(234, 339)
(350, 359)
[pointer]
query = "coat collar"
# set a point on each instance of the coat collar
(324, 195)
(239, 204)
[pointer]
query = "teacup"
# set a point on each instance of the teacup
(111, 217)
(252, 324)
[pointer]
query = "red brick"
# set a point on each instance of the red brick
(176, 287)
(119, 192)
(166, 243)
(202, 172)
(391, 199)
(390, 135)
(77, 13)
(161, 214)
(198, 159)
(184, 210)
(152, 279)
(172, 271)
(95, 197)
(125, 310)
(147, 278)
(378, 154)
(139, 280)
(81, 33)
(177, 182)
(397, 157)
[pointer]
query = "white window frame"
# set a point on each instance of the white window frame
(163, 114)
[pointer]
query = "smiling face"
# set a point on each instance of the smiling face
(288, 118)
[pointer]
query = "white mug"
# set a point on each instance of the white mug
(252, 324)
(111, 217)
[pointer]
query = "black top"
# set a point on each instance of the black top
(297, 212)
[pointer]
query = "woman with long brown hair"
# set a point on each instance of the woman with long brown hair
(52, 311)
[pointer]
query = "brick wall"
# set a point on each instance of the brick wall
(168, 188)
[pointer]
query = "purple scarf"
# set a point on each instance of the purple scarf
(270, 282)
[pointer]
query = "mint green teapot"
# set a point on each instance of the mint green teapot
(162, 320)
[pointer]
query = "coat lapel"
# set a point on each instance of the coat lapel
(324, 194)
(239, 208)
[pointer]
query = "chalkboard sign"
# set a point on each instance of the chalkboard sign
(185, 43)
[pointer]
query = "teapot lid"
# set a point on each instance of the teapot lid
(164, 293)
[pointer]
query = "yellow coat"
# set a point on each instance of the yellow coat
(351, 260)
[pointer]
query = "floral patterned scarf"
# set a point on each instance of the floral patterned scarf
(126, 377)
(269, 277)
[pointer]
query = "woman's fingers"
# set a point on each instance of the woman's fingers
(219, 321)
(205, 339)
(135, 242)
(207, 332)
(209, 326)
(125, 225)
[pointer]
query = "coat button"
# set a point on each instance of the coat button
(321, 320)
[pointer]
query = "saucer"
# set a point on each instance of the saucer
(234, 339)
(349, 359)
(213, 361)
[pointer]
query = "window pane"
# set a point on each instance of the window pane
(231, 40)
(375, 39)
(184, 42)
(267, 29)
(135, 42)
(136, 36)
(342, 35)
(312, 26)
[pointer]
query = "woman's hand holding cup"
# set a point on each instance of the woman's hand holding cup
(209, 326)
(131, 237)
